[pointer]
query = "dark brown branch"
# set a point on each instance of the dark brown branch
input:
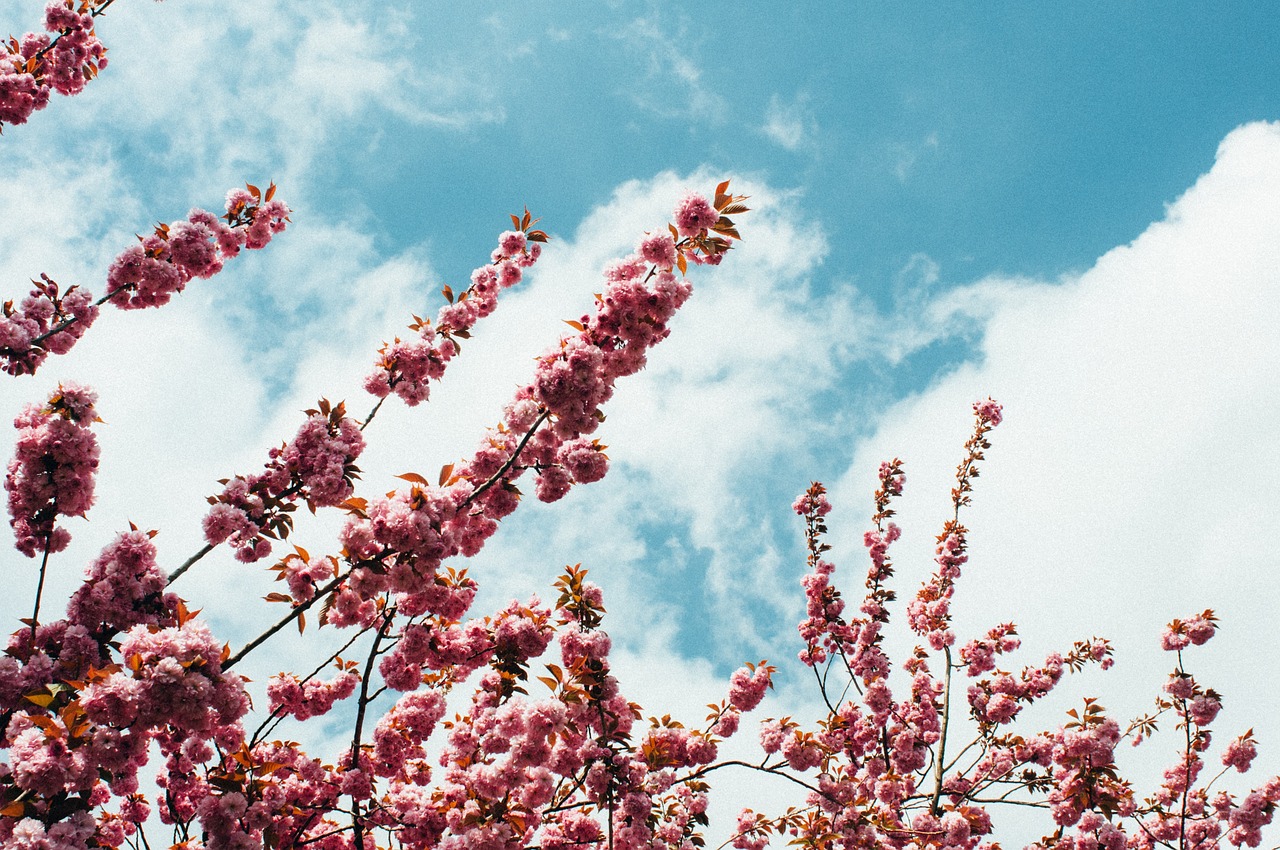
(293, 615)
(510, 462)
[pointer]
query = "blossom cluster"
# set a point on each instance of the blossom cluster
(880, 772)
(150, 273)
(36, 65)
(52, 470)
(130, 672)
(397, 543)
(407, 367)
(45, 322)
(145, 275)
(85, 698)
(317, 467)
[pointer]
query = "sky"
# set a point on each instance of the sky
(1073, 209)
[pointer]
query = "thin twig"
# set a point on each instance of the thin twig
(186, 565)
(44, 563)
(372, 413)
(942, 740)
(510, 462)
(698, 774)
(293, 615)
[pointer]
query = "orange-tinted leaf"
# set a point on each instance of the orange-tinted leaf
(41, 700)
(448, 293)
(445, 472)
(50, 727)
(415, 478)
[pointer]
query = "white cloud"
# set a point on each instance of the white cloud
(1133, 480)
(673, 85)
(906, 155)
(214, 98)
(790, 125)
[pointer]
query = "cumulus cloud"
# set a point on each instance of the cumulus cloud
(214, 98)
(1133, 480)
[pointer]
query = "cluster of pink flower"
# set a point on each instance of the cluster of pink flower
(144, 275)
(873, 781)
(398, 542)
(515, 767)
(35, 66)
(929, 614)
(317, 467)
(406, 367)
(123, 588)
(874, 786)
(46, 322)
(998, 700)
(53, 466)
(150, 273)
(80, 724)
(83, 700)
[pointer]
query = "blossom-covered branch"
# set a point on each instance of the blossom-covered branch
(37, 65)
(51, 320)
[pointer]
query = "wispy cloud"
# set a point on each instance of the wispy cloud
(906, 155)
(673, 84)
(790, 124)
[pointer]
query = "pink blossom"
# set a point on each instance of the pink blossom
(1240, 753)
(1204, 709)
(151, 273)
(52, 471)
(989, 411)
(658, 250)
(747, 686)
(694, 214)
(122, 588)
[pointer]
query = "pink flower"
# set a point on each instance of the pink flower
(1240, 753)
(990, 411)
(747, 686)
(659, 250)
(52, 471)
(1204, 709)
(694, 214)
(512, 242)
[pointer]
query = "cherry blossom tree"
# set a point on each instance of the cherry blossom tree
(127, 724)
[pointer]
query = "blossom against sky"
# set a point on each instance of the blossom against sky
(1052, 206)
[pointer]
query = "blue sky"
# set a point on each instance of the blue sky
(1050, 204)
